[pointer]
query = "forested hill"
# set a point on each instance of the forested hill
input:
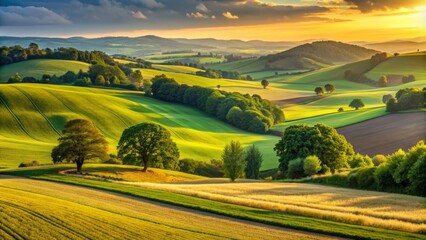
(316, 55)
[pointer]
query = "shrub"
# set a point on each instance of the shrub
(379, 159)
(311, 165)
(340, 109)
(359, 160)
(383, 177)
(295, 168)
(417, 177)
(29, 164)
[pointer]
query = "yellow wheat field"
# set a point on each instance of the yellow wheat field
(368, 208)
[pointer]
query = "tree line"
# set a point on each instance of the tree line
(251, 113)
(405, 99)
(210, 73)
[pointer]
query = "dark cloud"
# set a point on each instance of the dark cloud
(28, 16)
(371, 5)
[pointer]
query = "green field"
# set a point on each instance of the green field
(176, 68)
(242, 66)
(183, 57)
(236, 211)
(34, 114)
(36, 68)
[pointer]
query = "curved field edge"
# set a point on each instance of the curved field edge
(226, 209)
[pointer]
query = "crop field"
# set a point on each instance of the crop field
(385, 135)
(36, 68)
(242, 66)
(367, 208)
(344, 201)
(33, 116)
(183, 57)
(54, 210)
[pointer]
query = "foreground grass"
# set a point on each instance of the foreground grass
(237, 211)
(33, 209)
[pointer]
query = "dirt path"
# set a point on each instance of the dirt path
(168, 215)
(386, 134)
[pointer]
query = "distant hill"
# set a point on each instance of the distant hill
(317, 55)
(314, 55)
(397, 46)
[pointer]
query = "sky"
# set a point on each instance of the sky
(270, 20)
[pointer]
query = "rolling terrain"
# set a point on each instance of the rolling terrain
(33, 116)
(36, 68)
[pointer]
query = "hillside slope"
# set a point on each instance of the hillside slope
(314, 55)
(33, 115)
(36, 68)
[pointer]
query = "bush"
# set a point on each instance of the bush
(417, 177)
(340, 109)
(379, 159)
(359, 160)
(295, 168)
(311, 165)
(29, 164)
(383, 178)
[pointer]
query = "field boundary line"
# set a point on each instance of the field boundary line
(39, 111)
(17, 119)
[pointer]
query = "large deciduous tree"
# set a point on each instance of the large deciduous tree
(80, 141)
(148, 143)
(301, 140)
(233, 160)
(254, 161)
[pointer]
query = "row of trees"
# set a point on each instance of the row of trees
(405, 99)
(251, 113)
(18, 53)
(149, 144)
(210, 73)
(401, 172)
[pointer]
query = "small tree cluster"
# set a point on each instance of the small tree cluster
(407, 98)
(301, 141)
(409, 78)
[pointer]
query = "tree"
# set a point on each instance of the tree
(386, 98)
(147, 87)
(114, 80)
(81, 141)
(233, 160)
(359, 160)
(15, 78)
(329, 88)
(383, 81)
(295, 168)
(311, 165)
(218, 86)
(356, 103)
(136, 78)
(264, 83)
(379, 159)
(254, 161)
(301, 140)
(319, 90)
(100, 80)
(340, 109)
(147, 143)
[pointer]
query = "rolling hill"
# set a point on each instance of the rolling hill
(314, 55)
(34, 114)
(36, 68)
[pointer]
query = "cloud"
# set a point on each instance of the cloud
(197, 15)
(229, 15)
(151, 3)
(366, 6)
(202, 8)
(29, 16)
(138, 14)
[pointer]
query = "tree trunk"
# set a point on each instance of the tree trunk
(79, 166)
(145, 166)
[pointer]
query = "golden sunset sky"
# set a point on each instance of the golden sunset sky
(273, 20)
